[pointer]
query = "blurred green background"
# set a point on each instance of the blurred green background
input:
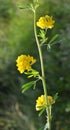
(17, 110)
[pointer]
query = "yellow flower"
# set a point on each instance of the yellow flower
(24, 63)
(46, 22)
(40, 102)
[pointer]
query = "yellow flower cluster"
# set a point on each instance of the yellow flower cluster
(46, 22)
(24, 63)
(40, 102)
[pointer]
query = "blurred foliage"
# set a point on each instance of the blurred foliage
(17, 110)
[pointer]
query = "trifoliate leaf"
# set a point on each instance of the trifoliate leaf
(27, 86)
(53, 38)
(42, 34)
(35, 73)
(32, 73)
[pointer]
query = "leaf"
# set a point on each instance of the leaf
(27, 86)
(53, 38)
(27, 7)
(36, 5)
(48, 46)
(41, 112)
(32, 73)
(43, 41)
(42, 34)
(35, 73)
(41, 107)
(55, 96)
(28, 72)
(30, 76)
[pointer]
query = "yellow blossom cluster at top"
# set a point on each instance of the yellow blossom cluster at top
(46, 22)
(24, 63)
(40, 102)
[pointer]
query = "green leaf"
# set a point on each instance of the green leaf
(42, 34)
(41, 107)
(41, 112)
(48, 47)
(43, 41)
(30, 76)
(53, 38)
(34, 85)
(27, 86)
(28, 72)
(35, 73)
(32, 73)
(25, 8)
(36, 5)
(55, 96)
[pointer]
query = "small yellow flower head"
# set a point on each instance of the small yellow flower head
(46, 22)
(24, 63)
(40, 102)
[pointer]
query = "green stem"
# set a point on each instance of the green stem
(43, 73)
(40, 55)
